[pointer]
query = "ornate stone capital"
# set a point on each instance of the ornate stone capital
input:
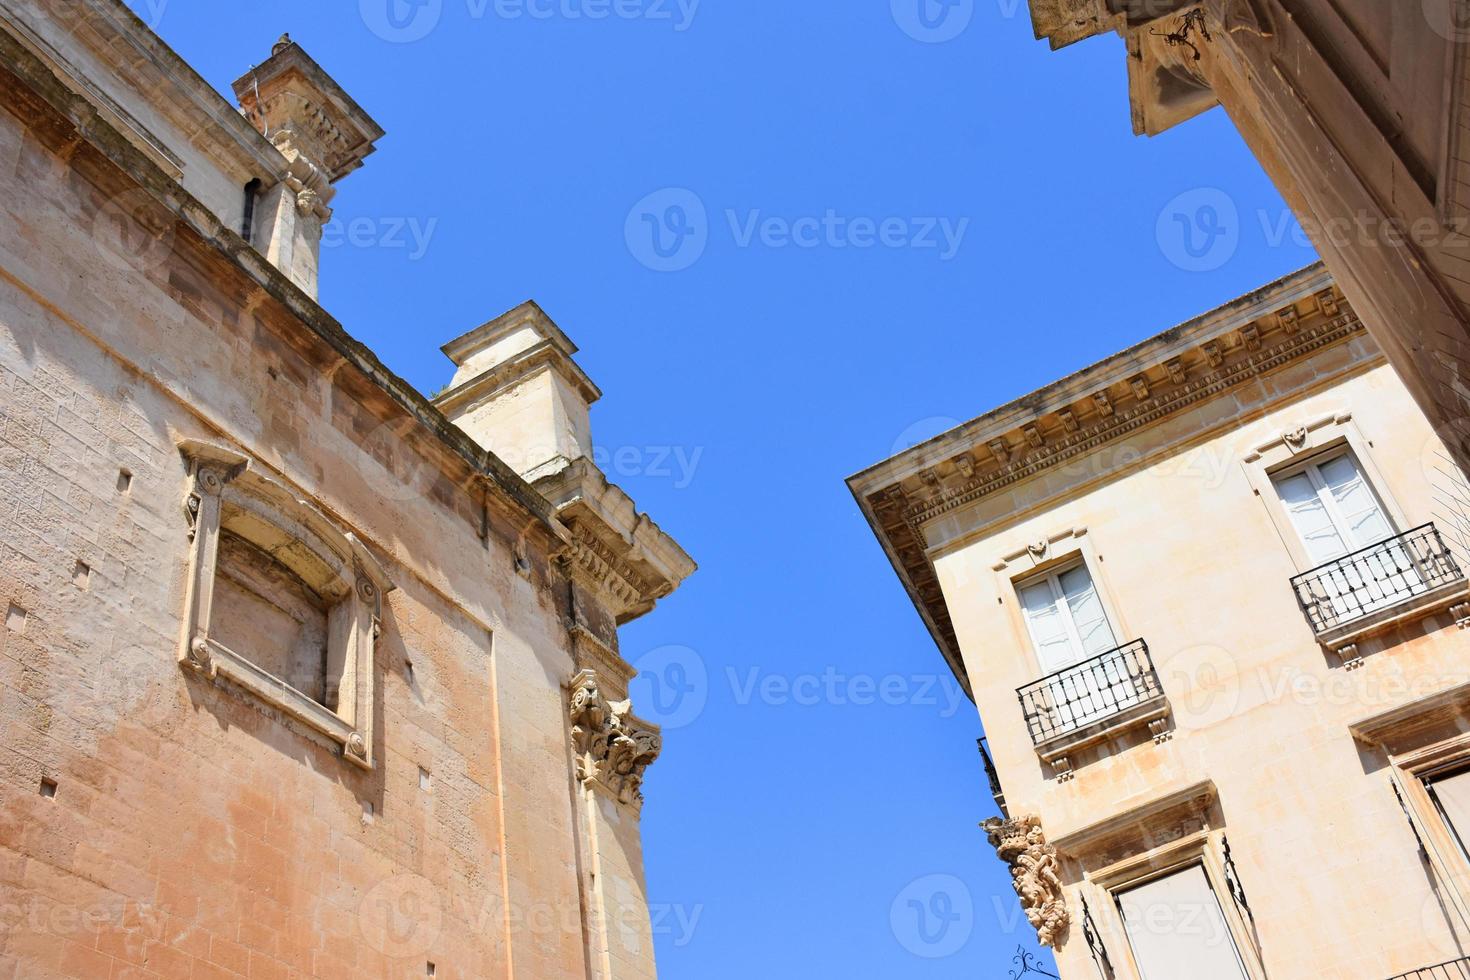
(1035, 874)
(613, 747)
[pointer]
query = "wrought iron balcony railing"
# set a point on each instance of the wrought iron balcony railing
(1090, 692)
(1454, 970)
(1377, 577)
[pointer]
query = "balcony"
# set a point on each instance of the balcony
(1455, 970)
(1093, 700)
(1404, 577)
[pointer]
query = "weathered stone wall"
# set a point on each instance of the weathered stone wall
(1188, 557)
(154, 825)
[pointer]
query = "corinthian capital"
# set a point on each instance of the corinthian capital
(613, 746)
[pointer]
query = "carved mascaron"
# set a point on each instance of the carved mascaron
(1035, 873)
(613, 746)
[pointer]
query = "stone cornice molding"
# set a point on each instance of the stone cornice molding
(32, 85)
(289, 92)
(186, 100)
(620, 553)
(543, 356)
(1208, 357)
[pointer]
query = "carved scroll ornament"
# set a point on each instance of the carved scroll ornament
(1035, 874)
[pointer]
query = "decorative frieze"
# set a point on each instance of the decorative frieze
(1035, 874)
(612, 746)
(902, 513)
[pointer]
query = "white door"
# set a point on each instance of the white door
(1177, 929)
(1336, 513)
(1068, 628)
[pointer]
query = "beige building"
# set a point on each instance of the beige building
(301, 675)
(1360, 112)
(1204, 599)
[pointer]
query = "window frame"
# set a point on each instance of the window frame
(1052, 575)
(1411, 738)
(221, 484)
(1311, 468)
(1314, 440)
(1056, 552)
(1202, 847)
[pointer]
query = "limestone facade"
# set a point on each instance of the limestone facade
(299, 677)
(1360, 112)
(1228, 745)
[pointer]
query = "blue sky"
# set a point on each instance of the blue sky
(791, 239)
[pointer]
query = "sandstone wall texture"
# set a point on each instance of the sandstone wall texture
(154, 824)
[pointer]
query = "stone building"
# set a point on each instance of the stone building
(1206, 600)
(1359, 110)
(301, 675)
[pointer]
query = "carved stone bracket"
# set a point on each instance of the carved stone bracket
(613, 747)
(1035, 874)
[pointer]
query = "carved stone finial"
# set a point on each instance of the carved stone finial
(1035, 874)
(613, 747)
(282, 44)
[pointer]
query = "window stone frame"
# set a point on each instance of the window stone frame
(223, 489)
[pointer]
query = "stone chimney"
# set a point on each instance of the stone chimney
(518, 393)
(323, 136)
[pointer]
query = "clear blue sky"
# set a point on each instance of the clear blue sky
(797, 811)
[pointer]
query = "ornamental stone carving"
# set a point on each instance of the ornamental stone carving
(613, 746)
(1035, 874)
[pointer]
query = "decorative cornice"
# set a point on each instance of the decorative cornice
(1150, 403)
(1221, 351)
